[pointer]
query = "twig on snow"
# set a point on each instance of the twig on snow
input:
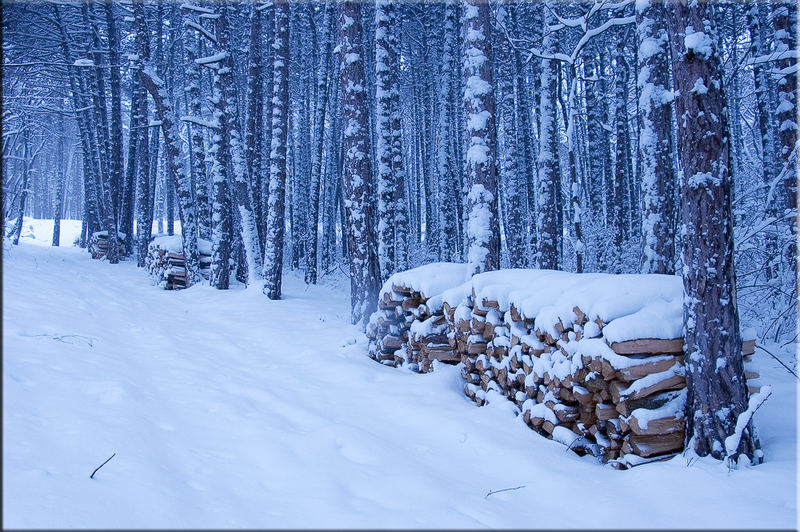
(505, 489)
(101, 465)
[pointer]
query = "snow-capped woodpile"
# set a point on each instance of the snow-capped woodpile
(166, 263)
(98, 244)
(409, 325)
(594, 361)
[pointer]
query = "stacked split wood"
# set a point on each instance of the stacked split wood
(594, 361)
(409, 326)
(98, 244)
(167, 264)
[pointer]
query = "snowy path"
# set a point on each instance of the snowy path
(226, 409)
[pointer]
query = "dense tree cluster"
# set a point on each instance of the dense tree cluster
(587, 136)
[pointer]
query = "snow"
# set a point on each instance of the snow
(228, 410)
(430, 279)
(174, 244)
(698, 42)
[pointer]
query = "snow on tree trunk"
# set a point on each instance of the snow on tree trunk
(255, 117)
(446, 165)
(273, 245)
(115, 157)
(169, 129)
(510, 175)
(482, 229)
(357, 174)
(129, 193)
(717, 390)
(230, 128)
(616, 219)
(197, 147)
(386, 100)
(320, 115)
(546, 224)
(655, 133)
(785, 22)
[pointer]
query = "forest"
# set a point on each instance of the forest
(365, 139)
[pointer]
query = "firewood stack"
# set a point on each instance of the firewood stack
(406, 329)
(581, 377)
(409, 326)
(98, 244)
(167, 264)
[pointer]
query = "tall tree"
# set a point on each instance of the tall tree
(273, 254)
(547, 253)
(387, 101)
(356, 168)
(483, 227)
(717, 390)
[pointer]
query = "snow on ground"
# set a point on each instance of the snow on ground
(226, 409)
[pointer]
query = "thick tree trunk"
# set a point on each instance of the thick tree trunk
(356, 168)
(655, 134)
(273, 245)
(483, 228)
(714, 369)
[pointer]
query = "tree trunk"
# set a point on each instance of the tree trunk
(356, 170)
(483, 229)
(273, 245)
(655, 134)
(717, 390)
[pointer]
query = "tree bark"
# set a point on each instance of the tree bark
(717, 390)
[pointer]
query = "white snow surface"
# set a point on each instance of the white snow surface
(174, 244)
(228, 410)
(430, 279)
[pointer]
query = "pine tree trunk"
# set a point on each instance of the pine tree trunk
(785, 22)
(357, 173)
(320, 117)
(386, 99)
(232, 141)
(655, 134)
(546, 223)
(273, 254)
(717, 390)
(483, 228)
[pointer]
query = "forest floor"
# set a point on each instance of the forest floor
(226, 409)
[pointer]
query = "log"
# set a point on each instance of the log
(664, 425)
(648, 345)
(647, 367)
(605, 412)
(476, 348)
(651, 402)
(582, 319)
(748, 347)
(646, 446)
(391, 341)
(669, 382)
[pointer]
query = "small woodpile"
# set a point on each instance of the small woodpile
(588, 376)
(98, 244)
(409, 327)
(167, 264)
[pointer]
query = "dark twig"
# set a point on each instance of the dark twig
(498, 491)
(101, 465)
(780, 361)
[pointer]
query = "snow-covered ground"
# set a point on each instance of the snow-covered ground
(226, 409)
